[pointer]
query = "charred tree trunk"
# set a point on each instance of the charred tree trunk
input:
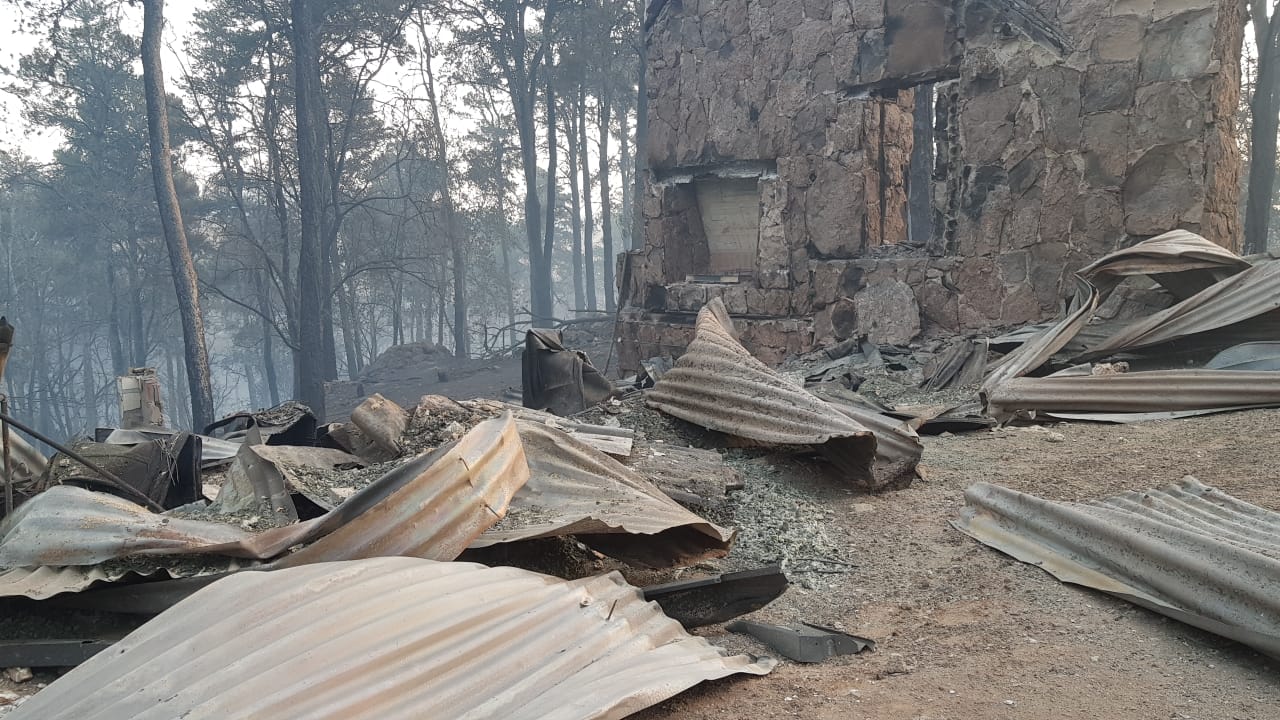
(606, 202)
(328, 257)
(548, 232)
(118, 365)
(505, 245)
(1262, 137)
(311, 119)
(350, 331)
(268, 339)
(575, 201)
(90, 390)
(195, 356)
(624, 166)
(461, 340)
(589, 226)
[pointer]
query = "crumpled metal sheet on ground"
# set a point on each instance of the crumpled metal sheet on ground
(213, 451)
(898, 447)
(394, 638)
(1183, 262)
(1245, 296)
(1136, 393)
(263, 477)
(718, 385)
(1186, 550)
(41, 583)
(67, 525)
(1037, 350)
(963, 364)
(1244, 305)
(576, 490)
(558, 379)
(432, 506)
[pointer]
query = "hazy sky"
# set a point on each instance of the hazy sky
(15, 133)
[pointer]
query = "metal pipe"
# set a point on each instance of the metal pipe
(107, 477)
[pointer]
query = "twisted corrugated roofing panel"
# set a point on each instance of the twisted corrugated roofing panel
(1182, 261)
(574, 489)
(68, 525)
(1243, 296)
(43, 582)
(1130, 393)
(717, 384)
(392, 638)
(432, 506)
(1186, 550)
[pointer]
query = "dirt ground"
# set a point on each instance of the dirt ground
(963, 631)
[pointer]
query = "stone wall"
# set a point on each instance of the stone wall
(1063, 130)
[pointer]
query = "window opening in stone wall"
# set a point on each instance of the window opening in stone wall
(920, 172)
(730, 210)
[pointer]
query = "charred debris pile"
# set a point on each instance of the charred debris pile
(478, 558)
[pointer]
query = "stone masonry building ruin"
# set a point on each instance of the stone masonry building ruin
(890, 167)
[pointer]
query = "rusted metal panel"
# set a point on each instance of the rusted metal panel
(432, 506)
(67, 525)
(1156, 391)
(576, 490)
(1037, 351)
(1183, 262)
(898, 447)
(717, 384)
(392, 638)
(1186, 550)
(1245, 296)
(43, 582)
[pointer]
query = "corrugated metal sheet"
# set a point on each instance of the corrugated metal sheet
(1183, 262)
(1036, 351)
(576, 490)
(898, 446)
(1188, 551)
(1244, 296)
(1248, 356)
(393, 638)
(40, 583)
(432, 506)
(68, 525)
(717, 384)
(1157, 391)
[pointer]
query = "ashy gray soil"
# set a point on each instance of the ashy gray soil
(966, 632)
